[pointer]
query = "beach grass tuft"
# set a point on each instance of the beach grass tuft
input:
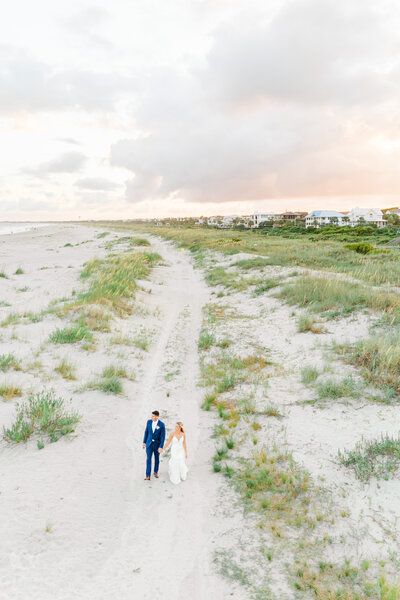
(9, 361)
(66, 369)
(43, 413)
(374, 458)
(9, 391)
(71, 335)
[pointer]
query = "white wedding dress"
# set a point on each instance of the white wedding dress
(177, 463)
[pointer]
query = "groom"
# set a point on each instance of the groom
(153, 441)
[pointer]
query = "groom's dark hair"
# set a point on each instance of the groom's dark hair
(155, 412)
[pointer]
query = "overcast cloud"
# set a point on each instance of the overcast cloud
(202, 106)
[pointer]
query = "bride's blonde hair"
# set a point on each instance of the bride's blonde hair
(180, 425)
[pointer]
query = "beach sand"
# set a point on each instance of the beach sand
(77, 518)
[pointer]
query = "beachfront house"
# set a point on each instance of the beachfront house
(261, 217)
(369, 216)
(291, 218)
(320, 218)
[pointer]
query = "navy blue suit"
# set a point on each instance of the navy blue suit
(153, 442)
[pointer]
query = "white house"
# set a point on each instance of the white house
(369, 216)
(260, 217)
(319, 218)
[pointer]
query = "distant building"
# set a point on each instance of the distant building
(371, 216)
(261, 217)
(319, 218)
(291, 217)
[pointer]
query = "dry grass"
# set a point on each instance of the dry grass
(9, 391)
(66, 369)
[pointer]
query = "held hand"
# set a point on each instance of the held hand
(186, 456)
(144, 446)
(160, 450)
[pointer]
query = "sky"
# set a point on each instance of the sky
(147, 108)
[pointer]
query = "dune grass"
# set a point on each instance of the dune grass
(374, 458)
(108, 385)
(9, 361)
(141, 342)
(378, 357)
(309, 375)
(42, 414)
(265, 286)
(309, 323)
(112, 281)
(334, 389)
(71, 335)
(8, 391)
(226, 371)
(338, 298)
(321, 254)
(11, 319)
(66, 369)
(19, 271)
(206, 340)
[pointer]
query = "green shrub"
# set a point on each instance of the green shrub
(361, 248)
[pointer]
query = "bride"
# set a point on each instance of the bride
(177, 464)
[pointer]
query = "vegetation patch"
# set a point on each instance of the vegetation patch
(43, 414)
(252, 263)
(9, 391)
(71, 335)
(8, 361)
(265, 286)
(378, 357)
(112, 281)
(206, 340)
(11, 319)
(378, 458)
(322, 295)
(333, 389)
(109, 385)
(66, 369)
(309, 375)
(310, 323)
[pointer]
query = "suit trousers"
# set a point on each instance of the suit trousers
(150, 450)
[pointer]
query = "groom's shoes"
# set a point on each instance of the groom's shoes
(156, 475)
(147, 478)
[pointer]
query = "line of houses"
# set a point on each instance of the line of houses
(315, 218)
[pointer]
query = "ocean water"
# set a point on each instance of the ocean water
(17, 227)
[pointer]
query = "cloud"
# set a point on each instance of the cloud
(30, 85)
(69, 141)
(288, 105)
(96, 183)
(69, 162)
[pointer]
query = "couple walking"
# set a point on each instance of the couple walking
(153, 441)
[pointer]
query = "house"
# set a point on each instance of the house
(319, 218)
(290, 218)
(370, 216)
(261, 217)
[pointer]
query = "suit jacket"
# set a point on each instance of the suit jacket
(158, 436)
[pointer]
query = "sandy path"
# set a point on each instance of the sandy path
(165, 545)
(112, 535)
